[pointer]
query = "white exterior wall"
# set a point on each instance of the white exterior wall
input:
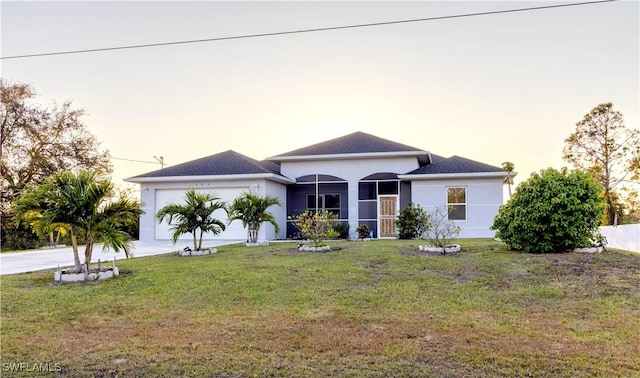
(267, 231)
(352, 171)
(624, 236)
(484, 197)
(149, 195)
(148, 218)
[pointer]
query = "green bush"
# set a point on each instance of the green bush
(17, 237)
(316, 226)
(551, 212)
(342, 228)
(412, 221)
(363, 231)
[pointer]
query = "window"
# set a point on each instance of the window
(331, 201)
(387, 187)
(457, 203)
(328, 202)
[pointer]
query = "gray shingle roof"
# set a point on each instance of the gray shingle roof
(234, 163)
(224, 163)
(454, 164)
(356, 143)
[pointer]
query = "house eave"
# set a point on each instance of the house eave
(423, 156)
(443, 176)
(251, 176)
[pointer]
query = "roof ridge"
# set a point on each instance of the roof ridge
(356, 143)
(456, 164)
(222, 163)
(258, 163)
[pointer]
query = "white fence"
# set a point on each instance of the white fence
(626, 236)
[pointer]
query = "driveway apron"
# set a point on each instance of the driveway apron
(51, 258)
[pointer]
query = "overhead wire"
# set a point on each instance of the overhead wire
(312, 30)
(136, 161)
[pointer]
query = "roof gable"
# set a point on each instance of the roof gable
(224, 163)
(355, 143)
(455, 165)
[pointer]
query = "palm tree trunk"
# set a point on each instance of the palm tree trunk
(200, 241)
(195, 242)
(253, 233)
(88, 249)
(77, 267)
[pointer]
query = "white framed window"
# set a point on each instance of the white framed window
(457, 203)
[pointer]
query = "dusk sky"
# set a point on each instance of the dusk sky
(491, 88)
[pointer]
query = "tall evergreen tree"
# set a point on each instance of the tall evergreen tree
(603, 146)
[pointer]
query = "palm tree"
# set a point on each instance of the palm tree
(251, 210)
(508, 167)
(196, 214)
(79, 204)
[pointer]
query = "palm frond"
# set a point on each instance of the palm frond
(195, 214)
(79, 202)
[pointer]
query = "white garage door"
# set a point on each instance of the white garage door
(234, 231)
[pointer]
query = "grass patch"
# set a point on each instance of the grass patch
(374, 309)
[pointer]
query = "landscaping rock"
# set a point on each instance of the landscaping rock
(64, 276)
(589, 250)
(201, 252)
(447, 249)
(307, 248)
(98, 274)
(258, 244)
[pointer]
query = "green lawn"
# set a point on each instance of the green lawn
(369, 309)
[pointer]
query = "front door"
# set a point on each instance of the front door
(387, 215)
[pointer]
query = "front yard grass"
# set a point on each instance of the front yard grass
(369, 309)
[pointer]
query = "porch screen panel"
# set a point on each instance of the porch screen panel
(368, 210)
(367, 191)
(297, 198)
(335, 198)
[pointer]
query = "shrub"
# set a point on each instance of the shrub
(20, 237)
(316, 226)
(363, 231)
(551, 212)
(412, 221)
(441, 231)
(342, 229)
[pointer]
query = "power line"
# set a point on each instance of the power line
(305, 30)
(139, 161)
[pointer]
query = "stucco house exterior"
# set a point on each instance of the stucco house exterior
(362, 178)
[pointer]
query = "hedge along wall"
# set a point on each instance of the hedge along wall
(626, 236)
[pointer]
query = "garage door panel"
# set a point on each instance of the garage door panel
(234, 231)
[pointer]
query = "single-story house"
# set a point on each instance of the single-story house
(362, 178)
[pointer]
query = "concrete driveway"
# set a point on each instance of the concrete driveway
(34, 260)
